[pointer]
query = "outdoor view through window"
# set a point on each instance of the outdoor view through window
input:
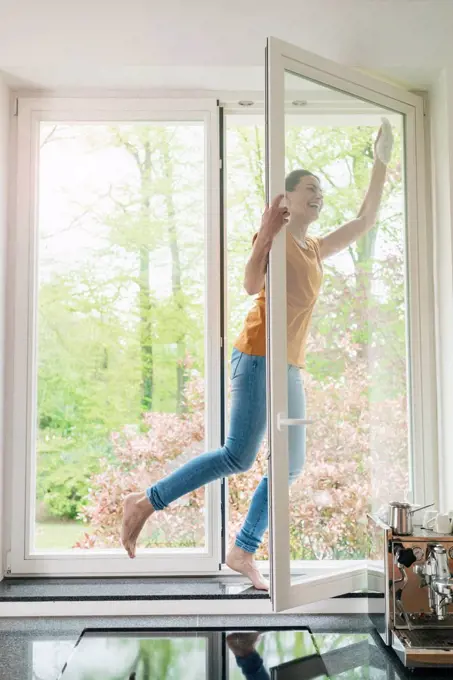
(121, 326)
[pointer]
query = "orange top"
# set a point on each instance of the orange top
(304, 278)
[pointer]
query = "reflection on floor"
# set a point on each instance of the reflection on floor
(209, 655)
(202, 647)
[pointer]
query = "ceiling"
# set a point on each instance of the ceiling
(213, 44)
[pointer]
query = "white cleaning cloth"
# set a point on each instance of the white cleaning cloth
(385, 142)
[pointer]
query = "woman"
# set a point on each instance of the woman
(304, 202)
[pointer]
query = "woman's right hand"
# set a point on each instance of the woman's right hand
(274, 217)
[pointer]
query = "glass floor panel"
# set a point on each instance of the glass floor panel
(232, 655)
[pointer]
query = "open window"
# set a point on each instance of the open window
(367, 416)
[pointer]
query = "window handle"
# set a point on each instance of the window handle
(288, 422)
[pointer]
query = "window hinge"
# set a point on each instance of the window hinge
(16, 106)
(8, 563)
(220, 164)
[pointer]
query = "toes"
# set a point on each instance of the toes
(128, 547)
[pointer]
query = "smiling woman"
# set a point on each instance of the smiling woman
(305, 189)
(248, 386)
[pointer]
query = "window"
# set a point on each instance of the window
(122, 376)
(117, 361)
(370, 434)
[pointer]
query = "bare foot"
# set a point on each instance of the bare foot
(243, 562)
(136, 510)
(242, 644)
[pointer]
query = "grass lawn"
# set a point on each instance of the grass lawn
(59, 535)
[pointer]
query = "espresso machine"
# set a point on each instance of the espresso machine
(411, 589)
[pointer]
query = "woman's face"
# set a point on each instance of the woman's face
(306, 200)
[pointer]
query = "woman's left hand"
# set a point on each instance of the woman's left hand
(384, 142)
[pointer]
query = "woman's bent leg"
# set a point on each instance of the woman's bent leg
(247, 426)
(252, 531)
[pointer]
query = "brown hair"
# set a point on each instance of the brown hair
(294, 177)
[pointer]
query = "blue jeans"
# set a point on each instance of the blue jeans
(252, 667)
(246, 433)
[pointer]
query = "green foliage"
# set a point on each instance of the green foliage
(92, 323)
(63, 481)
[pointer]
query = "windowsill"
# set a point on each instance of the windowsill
(223, 585)
(136, 589)
(124, 589)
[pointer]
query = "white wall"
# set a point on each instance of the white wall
(4, 142)
(442, 187)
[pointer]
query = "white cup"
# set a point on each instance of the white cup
(443, 524)
(429, 518)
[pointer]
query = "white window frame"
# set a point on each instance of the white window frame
(420, 322)
(31, 111)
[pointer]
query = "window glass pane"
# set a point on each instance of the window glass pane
(355, 375)
(120, 340)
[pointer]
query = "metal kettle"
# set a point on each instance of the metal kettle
(400, 517)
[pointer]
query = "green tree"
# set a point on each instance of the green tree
(146, 217)
(113, 337)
